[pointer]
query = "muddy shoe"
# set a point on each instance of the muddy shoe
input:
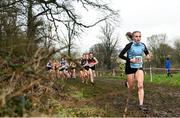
(143, 108)
(92, 83)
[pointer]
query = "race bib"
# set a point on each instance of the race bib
(138, 59)
(138, 63)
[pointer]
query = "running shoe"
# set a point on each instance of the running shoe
(143, 108)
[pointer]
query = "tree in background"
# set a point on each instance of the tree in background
(159, 49)
(98, 49)
(176, 55)
(9, 29)
(106, 51)
(31, 16)
(69, 37)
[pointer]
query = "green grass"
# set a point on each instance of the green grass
(156, 79)
(163, 80)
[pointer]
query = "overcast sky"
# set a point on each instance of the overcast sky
(148, 16)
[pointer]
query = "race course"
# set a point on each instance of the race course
(109, 98)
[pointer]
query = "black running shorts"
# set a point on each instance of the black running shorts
(130, 70)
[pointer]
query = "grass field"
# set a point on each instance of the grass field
(156, 79)
(162, 79)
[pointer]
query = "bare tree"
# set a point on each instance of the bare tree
(32, 15)
(70, 36)
(98, 50)
(159, 48)
(176, 55)
(108, 47)
(8, 27)
(71, 20)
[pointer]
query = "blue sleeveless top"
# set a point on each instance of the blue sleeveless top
(136, 51)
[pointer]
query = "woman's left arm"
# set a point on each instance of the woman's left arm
(148, 55)
(96, 60)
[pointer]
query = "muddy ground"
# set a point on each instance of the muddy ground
(108, 98)
(72, 98)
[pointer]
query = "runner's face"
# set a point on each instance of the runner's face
(84, 56)
(91, 55)
(137, 37)
(87, 56)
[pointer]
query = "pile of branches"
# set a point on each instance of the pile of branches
(26, 88)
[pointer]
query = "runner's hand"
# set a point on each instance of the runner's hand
(148, 57)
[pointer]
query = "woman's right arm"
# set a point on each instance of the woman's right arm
(122, 53)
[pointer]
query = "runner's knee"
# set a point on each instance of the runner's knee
(140, 86)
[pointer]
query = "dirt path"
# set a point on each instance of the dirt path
(109, 98)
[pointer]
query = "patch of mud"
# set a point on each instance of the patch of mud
(160, 101)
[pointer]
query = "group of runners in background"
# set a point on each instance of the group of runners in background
(68, 69)
(133, 53)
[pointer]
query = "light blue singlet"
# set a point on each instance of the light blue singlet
(136, 51)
